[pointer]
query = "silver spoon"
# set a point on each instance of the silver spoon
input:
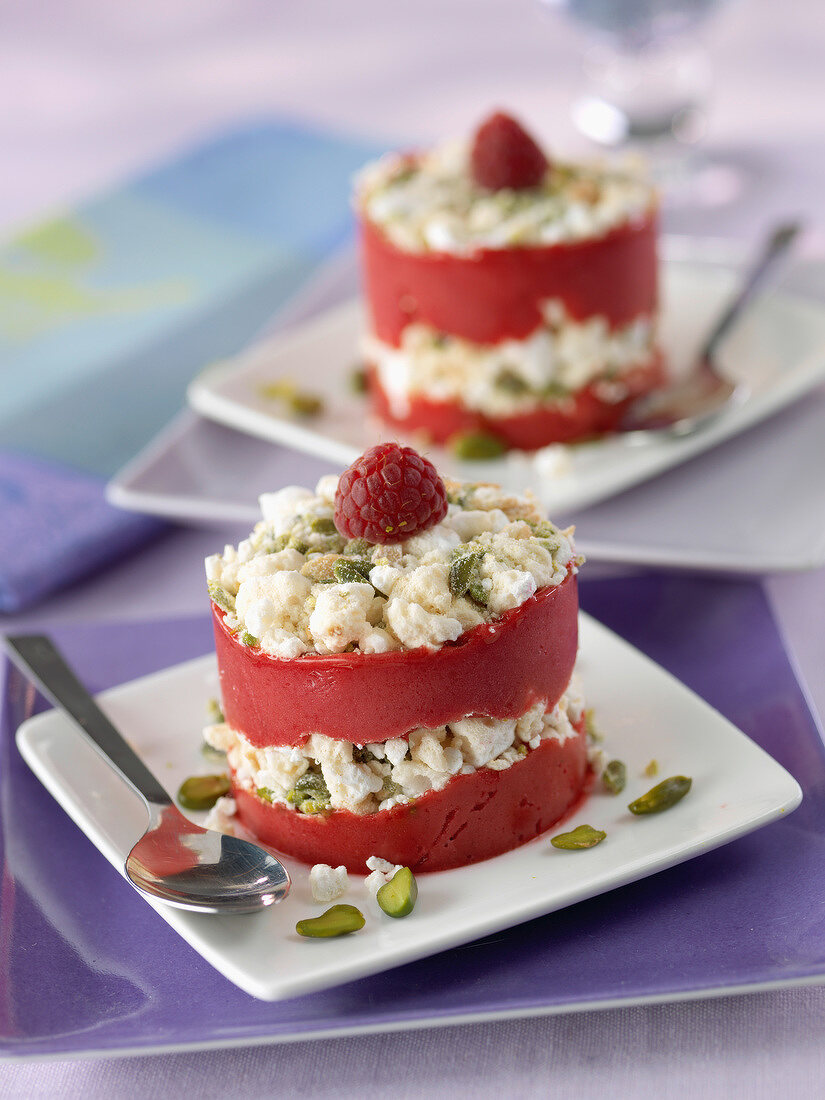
(692, 402)
(175, 860)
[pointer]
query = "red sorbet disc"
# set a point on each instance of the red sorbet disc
(500, 669)
(490, 295)
(583, 415)
(474, 817)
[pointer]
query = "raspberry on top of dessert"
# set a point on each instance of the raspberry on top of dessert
(508, 292)
(298, 585)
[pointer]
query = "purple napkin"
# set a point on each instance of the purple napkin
(55, 527)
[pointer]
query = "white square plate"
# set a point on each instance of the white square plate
(737, 787)
(778, 347)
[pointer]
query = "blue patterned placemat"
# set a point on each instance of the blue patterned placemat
(107, 312)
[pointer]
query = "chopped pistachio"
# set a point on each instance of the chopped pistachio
(478, 593)
(358, 382)
(351, 569)
(306, 404)
(398, 896)
(477, 445)
(214, 711)
(282, 389)
(614, 776)
(390, 789)
(583, 836)
(310, 793)
(652, 769)
(464, 563)
(297, 401)
(211, 753)
(509, 381)
(201, 792)
(221, 597)
(662, 796)
(265, 793)
(358, 548)
(336, 921)
(554, 390)
(323, 525)
(313, 806)
(590, 726)
(248, 639)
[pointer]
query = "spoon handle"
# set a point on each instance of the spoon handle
(40, 659)
(774, 248)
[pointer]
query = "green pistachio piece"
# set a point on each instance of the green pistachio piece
(358, 548)
(583, 836)
(298, 402)
(460, 493)
(509, 381)
(265, 793)
(478, 593)
(614, 776)
(358, 382)
(652, 769)
(554, 390)
(662, 796)
(336, 921)
(214, 712)
(323, 525)
(282, 389)
(201, 792)
(590, 726)
(351, 569)
(305, 404)
(296, 543)
(217, 756)
(221, 597)
(248, 639)
(398, 896)
(327, 544)
(313, 806)
(363, 755)
(390, 788)
(477, 445)
(540, 528)
(463, 569)
(310, 793)
(280, 542)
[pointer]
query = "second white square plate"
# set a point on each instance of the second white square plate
(644, 713)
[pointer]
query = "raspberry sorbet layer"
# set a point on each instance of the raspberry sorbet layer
(499, 670)
(526, 310)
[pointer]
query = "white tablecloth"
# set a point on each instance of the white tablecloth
(92, 92)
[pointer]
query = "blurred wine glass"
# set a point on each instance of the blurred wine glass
(647, 82)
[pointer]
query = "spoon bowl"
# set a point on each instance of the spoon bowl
(175, 860)
(202, 869)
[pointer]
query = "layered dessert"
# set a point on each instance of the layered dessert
(508, 292)
(396, 658)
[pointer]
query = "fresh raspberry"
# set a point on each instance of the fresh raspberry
(504, 155)
(389, 494)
